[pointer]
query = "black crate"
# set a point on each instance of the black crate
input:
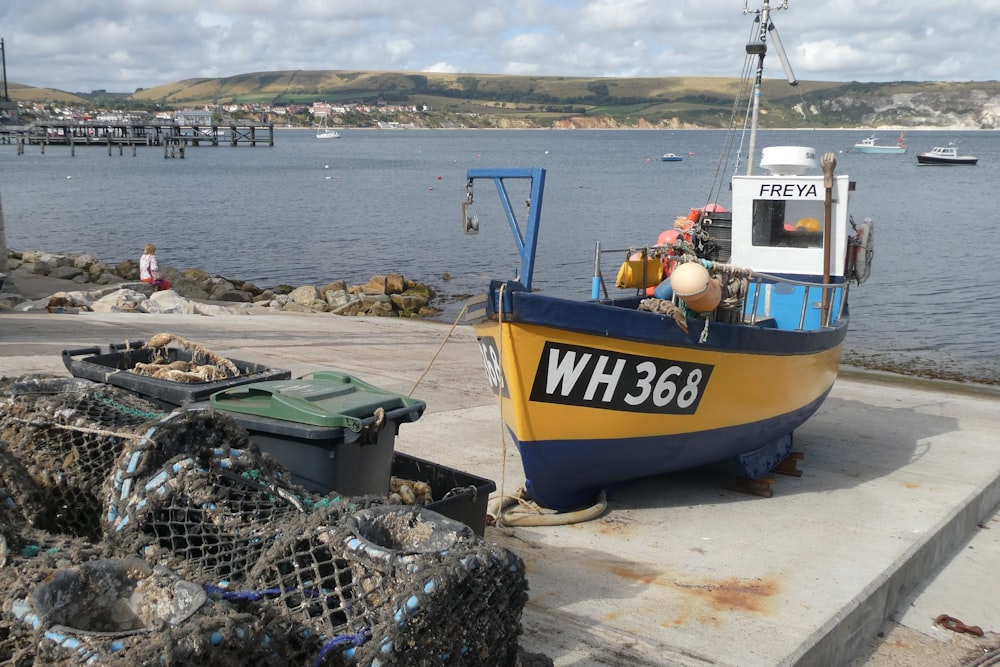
(115, 366)
(460, 496)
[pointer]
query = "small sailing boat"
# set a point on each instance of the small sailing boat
(324, 132)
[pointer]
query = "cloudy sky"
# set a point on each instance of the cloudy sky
(121, 45)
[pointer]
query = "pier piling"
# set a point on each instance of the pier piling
(172, 136)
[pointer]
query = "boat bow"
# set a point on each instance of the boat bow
(660, 373)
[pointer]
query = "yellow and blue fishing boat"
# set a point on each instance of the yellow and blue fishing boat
(715, 343)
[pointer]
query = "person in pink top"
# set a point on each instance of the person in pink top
(149, 269)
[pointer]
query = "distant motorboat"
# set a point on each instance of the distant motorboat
(870, 145)
(945, 155)
(671, 157)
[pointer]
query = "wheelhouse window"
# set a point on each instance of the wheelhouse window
(787, 223)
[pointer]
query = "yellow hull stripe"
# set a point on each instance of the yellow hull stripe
(742, 389)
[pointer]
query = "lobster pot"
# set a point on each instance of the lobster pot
(61, 440)
(719, 226)
(123, 611)
(212, 510)
(401, 585)
(28, 556)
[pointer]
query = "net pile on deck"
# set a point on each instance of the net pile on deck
(133, 536)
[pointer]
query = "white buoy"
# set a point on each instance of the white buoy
(692, 283)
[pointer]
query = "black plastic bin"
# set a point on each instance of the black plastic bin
(324, 429)
(459, 495)
(114, 368)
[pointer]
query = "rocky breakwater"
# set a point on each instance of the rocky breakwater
(106, 288)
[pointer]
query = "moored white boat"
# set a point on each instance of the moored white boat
(671, 157)
(945, 155)
(870, 145)
(599, 392)
(324, 132)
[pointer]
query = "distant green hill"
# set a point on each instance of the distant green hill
(19, 92)
(487, 100)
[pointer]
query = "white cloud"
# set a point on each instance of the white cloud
(441, 67)
(121, 45)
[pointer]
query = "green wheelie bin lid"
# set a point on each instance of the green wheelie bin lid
(325, 398)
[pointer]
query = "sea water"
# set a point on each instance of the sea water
(309, 211)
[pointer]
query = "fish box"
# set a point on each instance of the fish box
(459, 495)
(115, 368)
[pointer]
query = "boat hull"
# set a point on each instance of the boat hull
(595, 395)
(944, 161)
(893, 150)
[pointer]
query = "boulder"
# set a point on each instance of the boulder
(390, 284)
(67, 273)
(408, 303)
(394, 284)
(127, 270)
(305, 295)
(352, 307)
(335, 286)
(169, 302)
(337, 298)
(122, 301)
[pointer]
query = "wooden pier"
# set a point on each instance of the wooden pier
(173, 137)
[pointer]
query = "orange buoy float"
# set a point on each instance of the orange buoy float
(667, 237)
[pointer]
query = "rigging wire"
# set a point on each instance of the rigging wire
(744, 91)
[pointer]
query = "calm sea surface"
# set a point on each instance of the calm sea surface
(309, 211)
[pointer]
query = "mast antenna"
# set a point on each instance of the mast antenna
(758, 47)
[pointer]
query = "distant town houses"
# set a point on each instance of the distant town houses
(194, 117)
(214, 114)
(320, 110)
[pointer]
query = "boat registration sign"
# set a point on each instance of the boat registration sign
(595, 378)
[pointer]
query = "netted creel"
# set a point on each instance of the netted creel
(91, 473)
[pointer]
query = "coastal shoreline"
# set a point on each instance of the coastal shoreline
(868, 367)
(81, 281)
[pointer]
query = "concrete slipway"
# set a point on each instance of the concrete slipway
(897, 478)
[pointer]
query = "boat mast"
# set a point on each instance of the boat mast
(758, 47)
(3, 58)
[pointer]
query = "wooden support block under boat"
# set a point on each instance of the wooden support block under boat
(789, 465)
(754, 487)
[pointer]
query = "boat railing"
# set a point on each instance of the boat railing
(832, 295)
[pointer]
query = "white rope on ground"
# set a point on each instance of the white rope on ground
(520, 510)
(498, 510)
(501, 514)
